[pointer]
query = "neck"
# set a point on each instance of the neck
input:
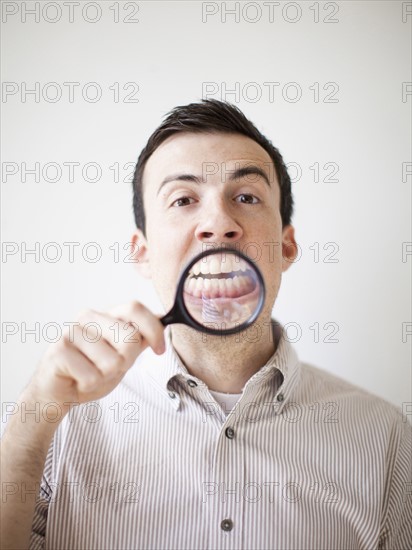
(225, 363)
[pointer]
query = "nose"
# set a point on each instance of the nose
(217, 225)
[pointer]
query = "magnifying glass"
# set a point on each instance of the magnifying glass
(221, 291)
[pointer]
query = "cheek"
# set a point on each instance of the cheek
(271, 254)
(162, 234)
(165, 288)
(272, 266)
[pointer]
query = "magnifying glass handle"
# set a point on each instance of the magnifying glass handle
(167, 319)
(174, 316)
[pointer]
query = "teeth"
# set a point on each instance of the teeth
(229, 285)
(213, 265)
(243, 265)
(227, 266)
(191, 286)
(204, 268)
(236, 282)
(198, 287)
(214, 288)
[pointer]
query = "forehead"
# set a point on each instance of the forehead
(189, 151)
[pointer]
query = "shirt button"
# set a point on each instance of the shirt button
(230, 433)
(172, 395)
(192, 383)
(227, 525)
(280, 397)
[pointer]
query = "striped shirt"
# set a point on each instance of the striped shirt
(303, 460)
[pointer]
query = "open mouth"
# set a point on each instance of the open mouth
(216, 276)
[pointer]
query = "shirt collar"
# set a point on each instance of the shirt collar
(284, 361)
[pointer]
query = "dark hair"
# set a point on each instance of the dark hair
(210, 115)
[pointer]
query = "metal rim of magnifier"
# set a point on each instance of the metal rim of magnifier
(179, 312)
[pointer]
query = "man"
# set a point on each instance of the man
(183, 440)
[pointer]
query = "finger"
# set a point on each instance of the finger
(123, 336)
(149, 326)
(101, 353)
(72, 363)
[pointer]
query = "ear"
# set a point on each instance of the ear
(289, 247)
(139, 254)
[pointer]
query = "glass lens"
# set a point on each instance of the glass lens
(222, 291)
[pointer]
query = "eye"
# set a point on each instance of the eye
(247, 199)
(182, 201)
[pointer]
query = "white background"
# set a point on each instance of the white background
(173, 50)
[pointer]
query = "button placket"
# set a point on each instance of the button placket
(228, 481)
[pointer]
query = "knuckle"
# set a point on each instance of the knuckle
(113, 365)
(68, 338)
(85, 314)
(136, 307)
(131, 332)
(64, 345)
(88, 384)
(58, 348)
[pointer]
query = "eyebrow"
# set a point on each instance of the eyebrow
(233, 175)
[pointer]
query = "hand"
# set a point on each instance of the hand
(77, 370)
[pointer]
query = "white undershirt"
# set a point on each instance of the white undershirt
(226, 400)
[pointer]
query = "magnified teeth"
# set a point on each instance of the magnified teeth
(228, 266)
(204, 268)
(191, 285)
(236, 282)
(219, 263)
(215, 266)
(214, 287)
(199, 287)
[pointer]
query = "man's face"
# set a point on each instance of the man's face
(194, 197)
